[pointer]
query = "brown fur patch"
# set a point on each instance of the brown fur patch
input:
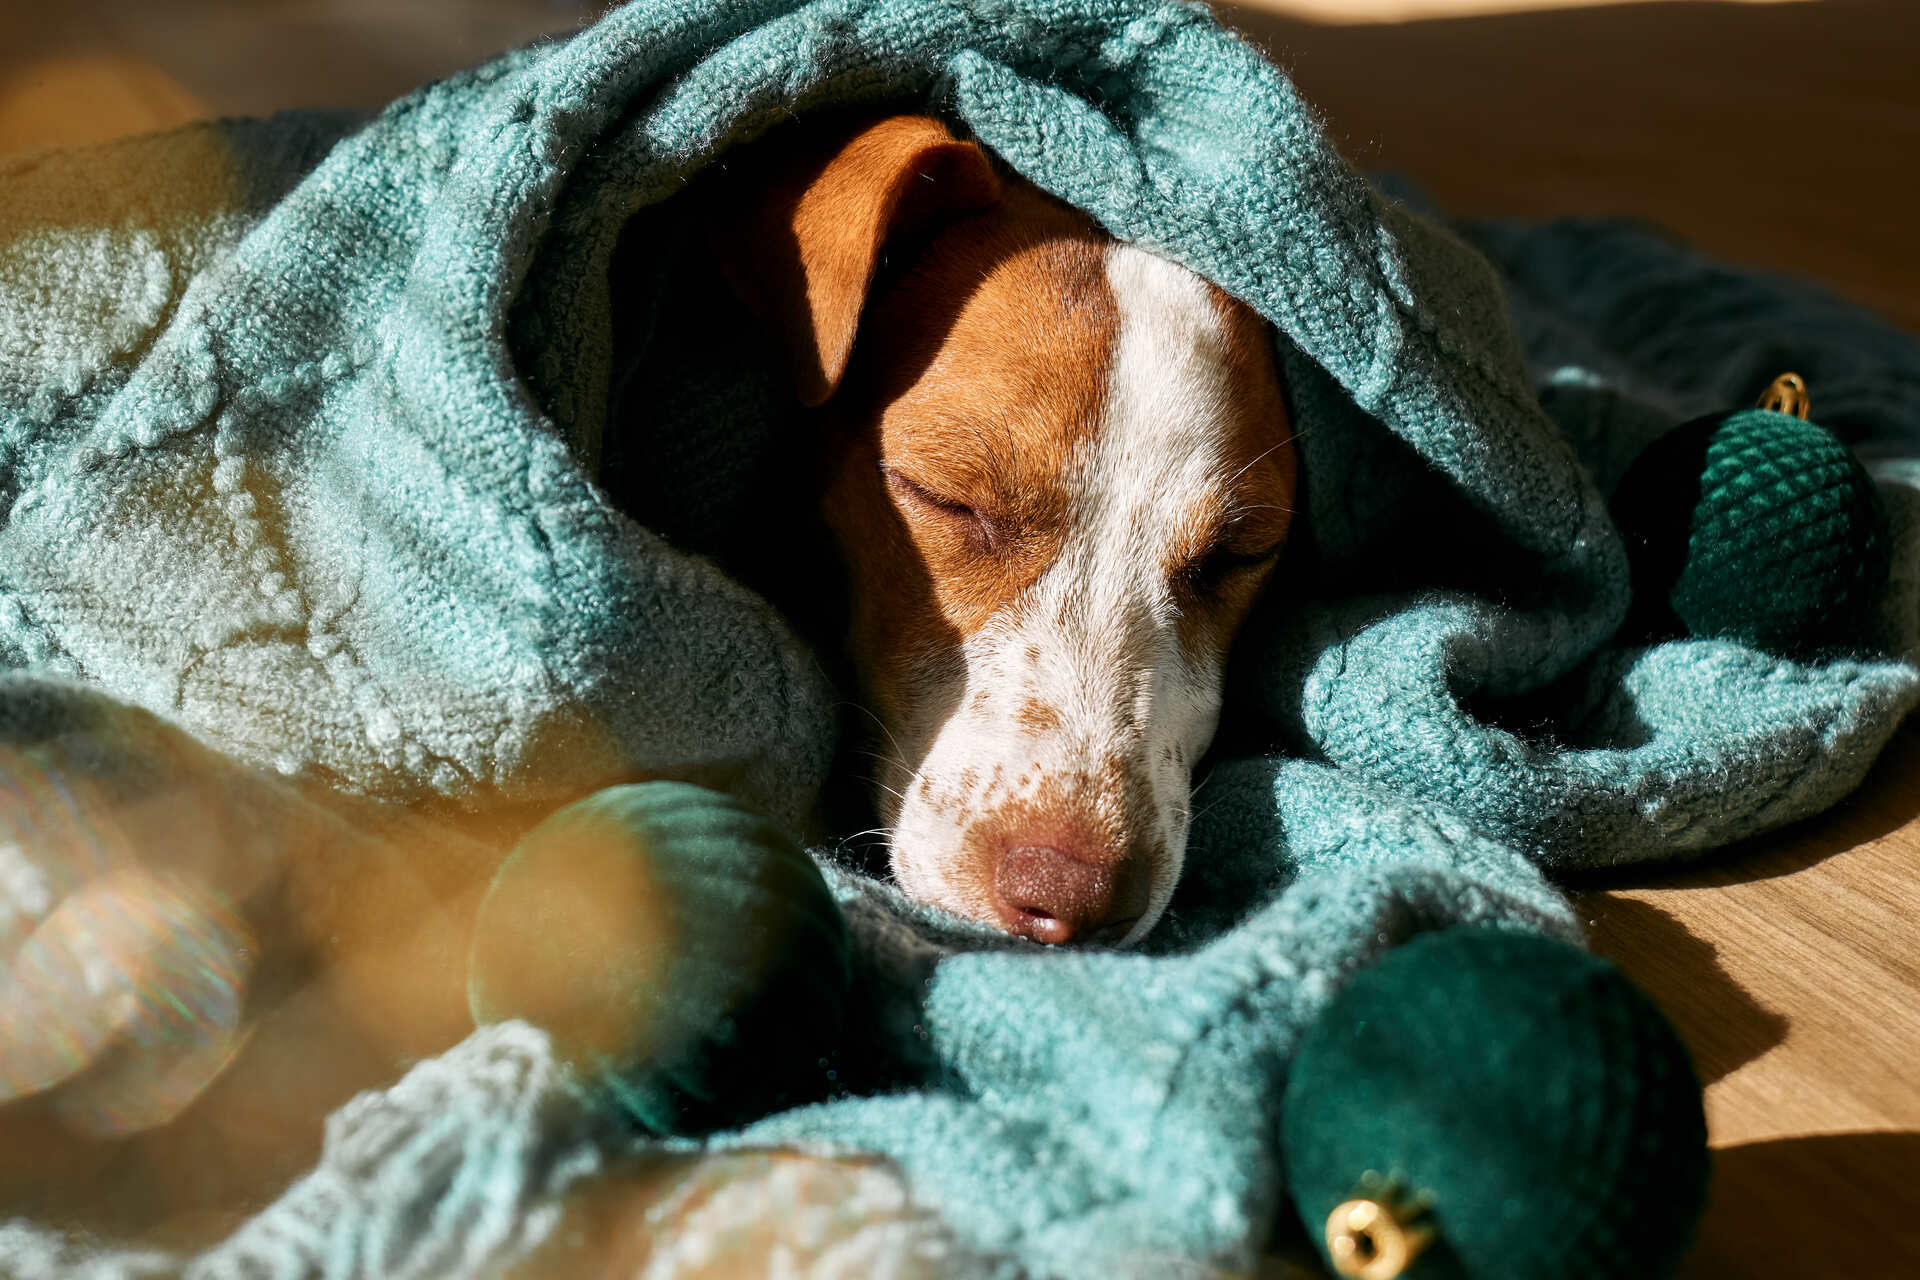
(802, 243)
(1037, 717)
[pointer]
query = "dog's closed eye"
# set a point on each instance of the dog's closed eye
(978, 527)
(1213, 569)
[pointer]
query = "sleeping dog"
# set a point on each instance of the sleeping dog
(1060, 471)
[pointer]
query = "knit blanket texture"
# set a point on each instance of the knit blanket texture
(300, 429)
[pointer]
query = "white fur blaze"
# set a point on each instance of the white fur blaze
(1076, 709)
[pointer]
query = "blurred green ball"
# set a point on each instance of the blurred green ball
(1535, 1098)
(676, 945)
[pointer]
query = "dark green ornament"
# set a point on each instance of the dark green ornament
(1513, 1095)
(678, 946)
(1756, 526)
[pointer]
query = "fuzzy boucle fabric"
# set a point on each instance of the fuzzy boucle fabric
(299, 429)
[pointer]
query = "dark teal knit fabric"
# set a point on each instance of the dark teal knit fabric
(312, 475)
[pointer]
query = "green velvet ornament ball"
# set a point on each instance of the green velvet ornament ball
(1756, 526)
(678, 946)
(1528, 1105)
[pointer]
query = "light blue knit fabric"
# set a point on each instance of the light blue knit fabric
(314, 479)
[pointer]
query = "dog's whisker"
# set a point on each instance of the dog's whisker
(1297, 434)
(886, 759)
(1193, 817)
(1260, 457)
(872, 754)
(882, 725)
(889, 790)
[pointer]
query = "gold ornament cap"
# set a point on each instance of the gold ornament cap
(1381, 1231)
(1787, 394)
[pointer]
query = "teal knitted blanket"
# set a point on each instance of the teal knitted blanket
(300, 422)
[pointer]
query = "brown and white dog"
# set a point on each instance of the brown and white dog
(1060, 472)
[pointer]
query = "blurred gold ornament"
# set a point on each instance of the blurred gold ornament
(1379, 1233)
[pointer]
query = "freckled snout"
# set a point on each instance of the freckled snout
(1050, 895)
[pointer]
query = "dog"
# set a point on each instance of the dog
(1053, 473)
(1056, 472)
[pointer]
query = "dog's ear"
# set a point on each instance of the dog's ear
(799, 226)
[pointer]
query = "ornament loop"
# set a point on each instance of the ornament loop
(1379, 1233)
(1788, 394)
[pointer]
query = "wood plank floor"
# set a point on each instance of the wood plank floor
(1784, 135)
(1790, 966)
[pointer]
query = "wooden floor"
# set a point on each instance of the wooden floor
(1786, 135)
(1792, 967)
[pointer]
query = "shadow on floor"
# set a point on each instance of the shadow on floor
(1723, 1026)
(1851, 1202)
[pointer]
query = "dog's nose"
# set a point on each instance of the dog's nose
(1051, 896)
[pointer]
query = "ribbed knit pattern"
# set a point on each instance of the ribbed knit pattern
(1563, 1137)
(299, 428)
(1785, 551)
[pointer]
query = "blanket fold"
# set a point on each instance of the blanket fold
(301, 450)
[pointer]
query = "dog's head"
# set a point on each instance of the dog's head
(1062, 473)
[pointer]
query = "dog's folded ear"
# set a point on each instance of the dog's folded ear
(799, 224)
